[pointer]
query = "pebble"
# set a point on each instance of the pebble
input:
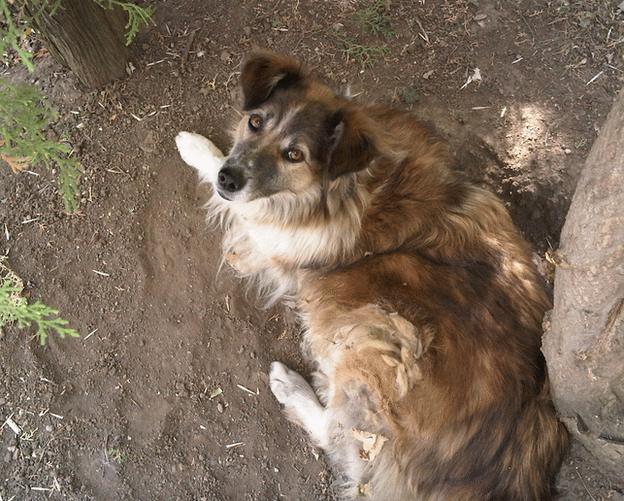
(220, 407)
(225, 56)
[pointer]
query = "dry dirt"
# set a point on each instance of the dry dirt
(172, 366)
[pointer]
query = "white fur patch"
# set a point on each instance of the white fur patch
(299, 401)
(201, 153)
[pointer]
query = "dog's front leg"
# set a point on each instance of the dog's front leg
(200, 152)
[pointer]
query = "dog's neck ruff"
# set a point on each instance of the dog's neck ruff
(295, 231)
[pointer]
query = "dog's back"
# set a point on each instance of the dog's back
(474, 419)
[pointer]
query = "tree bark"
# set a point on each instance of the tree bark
(584, 343)
(86, 38)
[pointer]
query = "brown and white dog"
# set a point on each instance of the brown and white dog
(421, 304)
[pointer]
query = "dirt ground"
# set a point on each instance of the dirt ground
(165, 397)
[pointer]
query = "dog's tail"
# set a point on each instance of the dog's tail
(518, 463)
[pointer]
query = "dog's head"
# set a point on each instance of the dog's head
(295, 133)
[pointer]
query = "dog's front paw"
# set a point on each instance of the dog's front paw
(287, 385)
(200, 152)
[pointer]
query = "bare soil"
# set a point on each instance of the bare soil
(166, 396)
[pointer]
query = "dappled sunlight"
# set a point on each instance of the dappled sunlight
(527, 133)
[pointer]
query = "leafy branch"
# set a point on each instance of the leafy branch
(14, 308)
(11, 35)
(24, 119)
(138, 16)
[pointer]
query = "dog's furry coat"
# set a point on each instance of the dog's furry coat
(421, 304)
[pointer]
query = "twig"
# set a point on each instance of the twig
(584, 484)
(187, 49)
(594, 78)
(528, 26)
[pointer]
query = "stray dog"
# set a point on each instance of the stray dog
(421, 304)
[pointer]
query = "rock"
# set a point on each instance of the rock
(225, 56)
(148, 145)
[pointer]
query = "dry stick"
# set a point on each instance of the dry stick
(584, 484)
(528, 26)
(187, 49)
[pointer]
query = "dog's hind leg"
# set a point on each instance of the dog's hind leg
(301, 404)
(200, 152)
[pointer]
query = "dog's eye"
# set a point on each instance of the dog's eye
(294, 155)
(255, 122)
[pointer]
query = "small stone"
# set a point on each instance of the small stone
(148, 145)
(220, 407)
(225, 56)
(49, 428)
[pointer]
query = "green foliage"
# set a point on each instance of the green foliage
(24, 119)
(15, 309)
(364, 54)
(373, 16)
(11, 34)
(117, 455)
(137, 16)
(14, 22)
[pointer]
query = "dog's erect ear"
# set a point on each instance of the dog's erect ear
(350, 146)
(264, 72)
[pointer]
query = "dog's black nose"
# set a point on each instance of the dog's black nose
(230, 180)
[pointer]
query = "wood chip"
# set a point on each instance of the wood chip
(251, 392)
(237, 444)
(13, 425)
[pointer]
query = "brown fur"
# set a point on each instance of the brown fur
(429, 323)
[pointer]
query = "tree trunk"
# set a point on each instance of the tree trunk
(584, 344)
(86, 38)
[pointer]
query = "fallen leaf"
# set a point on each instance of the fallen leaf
(215, 393)
(371, 443)
(17, 164)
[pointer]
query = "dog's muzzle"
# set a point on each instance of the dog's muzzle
(230, 180)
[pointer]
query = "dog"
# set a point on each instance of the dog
(421, 304)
